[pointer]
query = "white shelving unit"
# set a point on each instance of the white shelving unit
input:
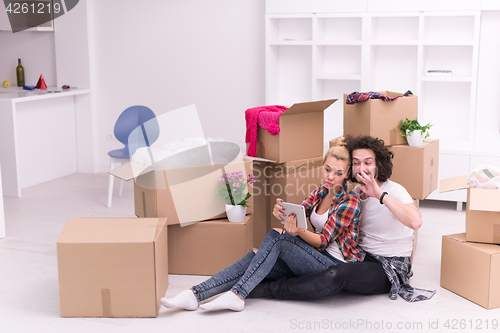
(335, 47)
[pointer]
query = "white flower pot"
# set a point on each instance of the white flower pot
(236, 213)
(415, 138)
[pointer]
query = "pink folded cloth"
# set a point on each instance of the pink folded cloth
(266, 117)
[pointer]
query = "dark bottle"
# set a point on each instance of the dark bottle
(20, 74)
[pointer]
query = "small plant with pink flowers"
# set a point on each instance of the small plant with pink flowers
(233, 190)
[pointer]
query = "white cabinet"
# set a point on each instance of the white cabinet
(333, 49)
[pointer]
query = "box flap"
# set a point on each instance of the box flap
(484, 199)
(308, 107)
(110, 230)
(127, 171)
(452, 184)
(457, 237)
(483, 247)
(250, 158)
(293, 166)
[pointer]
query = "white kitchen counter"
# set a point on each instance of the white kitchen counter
(38, 136)
(18, 94)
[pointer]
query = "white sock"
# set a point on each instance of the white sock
(185, 300)
(227, 301)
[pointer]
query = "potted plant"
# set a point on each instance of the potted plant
(234, 195)
(413, 132)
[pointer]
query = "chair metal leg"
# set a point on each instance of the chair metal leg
(121, 187)
(111, 183)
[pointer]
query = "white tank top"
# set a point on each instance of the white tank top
(319, 221)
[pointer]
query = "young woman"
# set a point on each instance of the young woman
(334, 213)
(386, 234)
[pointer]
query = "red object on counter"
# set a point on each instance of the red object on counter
(41, 83)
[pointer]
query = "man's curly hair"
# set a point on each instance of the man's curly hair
(383, 156)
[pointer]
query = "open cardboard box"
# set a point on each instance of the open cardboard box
(482, 219)
(171, 189)
(378, 118)
(471, 270)
(113, 267)
(416, 168)
(301, 134)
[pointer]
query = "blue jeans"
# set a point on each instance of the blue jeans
(280, 255)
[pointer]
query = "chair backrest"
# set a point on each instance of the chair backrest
(133, 117)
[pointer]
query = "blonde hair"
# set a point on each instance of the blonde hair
(339, 151)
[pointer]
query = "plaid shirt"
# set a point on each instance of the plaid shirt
(357, 97)
(398, 271)
(343, 221)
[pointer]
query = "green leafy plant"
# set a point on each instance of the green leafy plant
(412, 126)
(233, 188)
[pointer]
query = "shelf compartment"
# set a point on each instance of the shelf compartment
(458, 59)
(339, 60)
(291, 72)
(290, 29)
(334, 115)
(393, 68)
(339, 29)
(447, 107)
(394, 29)
(449, 28)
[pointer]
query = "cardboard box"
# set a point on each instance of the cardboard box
(261, 210)
(173, 192)
(291, 181)
(301, 134)
(378, 118)
(207, 247)
(112, 267)
(471, 270)
(416, 168)
(482, 217)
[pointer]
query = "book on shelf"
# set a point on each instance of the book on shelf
(439, 72)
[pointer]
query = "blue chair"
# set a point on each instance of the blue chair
(130, 130)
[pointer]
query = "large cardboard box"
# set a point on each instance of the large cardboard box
(112, 267)
(207, 247)
(301, 134)
(379, 118)
(173, 192)
(482, 217)
(416, 168)
(471, 270)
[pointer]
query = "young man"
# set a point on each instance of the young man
(388, 218)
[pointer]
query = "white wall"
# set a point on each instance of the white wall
(169, 54)
(36, 51)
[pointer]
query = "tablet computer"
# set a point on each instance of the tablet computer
(299, 211)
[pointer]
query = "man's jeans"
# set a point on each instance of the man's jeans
(280, 255)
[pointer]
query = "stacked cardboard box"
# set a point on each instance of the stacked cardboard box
(287, 165)
(378, 118)
(415, 168)
(470, 262)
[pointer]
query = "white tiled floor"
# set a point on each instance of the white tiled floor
(29, 299)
